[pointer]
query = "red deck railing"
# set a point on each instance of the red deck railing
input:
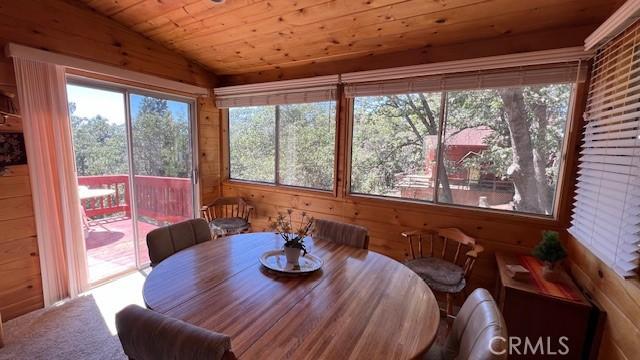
(165, 199)
(106, 205)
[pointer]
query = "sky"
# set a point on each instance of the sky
(110, 104)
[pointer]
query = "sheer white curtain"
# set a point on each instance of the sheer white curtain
(48, 140)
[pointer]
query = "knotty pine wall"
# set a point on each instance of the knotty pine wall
(387, 218)
(71, 29)
(619, 297)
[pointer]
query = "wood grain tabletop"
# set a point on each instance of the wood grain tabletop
(360, 305)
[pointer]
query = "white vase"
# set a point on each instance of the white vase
(292, 254)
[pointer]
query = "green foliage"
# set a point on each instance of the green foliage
(100, 146)
(390, 132)
(306, 142)
(252, 143)
(550, 249)
(394, 135)
(388, 139)
(161, 142)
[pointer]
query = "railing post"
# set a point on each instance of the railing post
(127, 198)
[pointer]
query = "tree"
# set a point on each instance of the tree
(527, 124)
(522, 170)
(306, 143)
(389, 139)
(161, 142)
(252, 143)
(100, 146)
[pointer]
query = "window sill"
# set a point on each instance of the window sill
(279, 187)
(456, 210)
(419, 206)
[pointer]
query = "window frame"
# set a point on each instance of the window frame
(226, 150)
(561, 188)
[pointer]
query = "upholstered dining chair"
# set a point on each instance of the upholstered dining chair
(148, 335)
(228, 216)
(478, 332)
(446, 262)
(168, 240)
(341, 233)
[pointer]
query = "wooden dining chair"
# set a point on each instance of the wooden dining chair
(148, 335)
(478, 332)
(444, 259)
(341, 233)
(228, 216)
(168, 240)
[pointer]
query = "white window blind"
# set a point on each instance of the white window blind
(321, 88)
(606, 215)
(486, 79)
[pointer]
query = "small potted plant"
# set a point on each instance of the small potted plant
(551, 252)
(293, 237)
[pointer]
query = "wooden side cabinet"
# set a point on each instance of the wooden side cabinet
(540, 325)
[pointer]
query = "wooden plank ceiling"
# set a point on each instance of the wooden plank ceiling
(241, 36)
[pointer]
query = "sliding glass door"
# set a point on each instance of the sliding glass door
(134, 158)
(162, 163)
(98, 122)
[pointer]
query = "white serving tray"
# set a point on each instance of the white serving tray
(276, 260)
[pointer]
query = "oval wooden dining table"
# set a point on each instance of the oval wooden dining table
(360, 305)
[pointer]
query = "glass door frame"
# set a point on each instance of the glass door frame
(127, 91)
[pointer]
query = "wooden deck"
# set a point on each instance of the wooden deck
(110, 247)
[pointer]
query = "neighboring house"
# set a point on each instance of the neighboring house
(459, 146)
(468, 185)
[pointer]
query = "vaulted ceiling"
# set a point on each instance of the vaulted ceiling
(242, 36)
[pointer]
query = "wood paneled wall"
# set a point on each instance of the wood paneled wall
(208, 150)
(619, 297)
(72, 29)
(387, 218)
(20, 282)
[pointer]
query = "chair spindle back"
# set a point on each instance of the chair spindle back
(449, 244)
(226, 207)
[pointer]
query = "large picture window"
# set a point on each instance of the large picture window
(497, 148)
(395, 145)
(292, 144)
(252, 143)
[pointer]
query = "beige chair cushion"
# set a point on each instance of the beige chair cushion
(439, 274)
(478, 323)
(166, 241)
(345, 234)
(231, 225)
(145, 334)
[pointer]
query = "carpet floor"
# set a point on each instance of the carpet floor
(82, 328)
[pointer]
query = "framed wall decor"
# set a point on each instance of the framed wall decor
(12, 150)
